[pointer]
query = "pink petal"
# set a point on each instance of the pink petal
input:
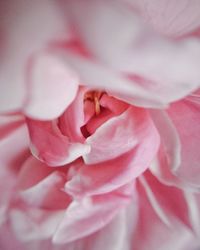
(34, 224)
(73, 119)
(12, 156)
(123, 132)
(21, 34)
(8, 123)
(175, 167)
(32, 172)
(47, 194)
(113, 104)
(112, 107)
(109, 175)
(141, 66)
(169, 156)
(53, 87)
(170, 205)
(151, 231)
(170, 17)
(90, 214)
(52, 147)
(186, 118)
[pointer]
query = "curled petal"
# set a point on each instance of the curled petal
(109, 175)
(52, 147)
(123, 132)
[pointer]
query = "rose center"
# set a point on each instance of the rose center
(94, 96)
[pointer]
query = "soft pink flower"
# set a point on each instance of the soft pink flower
(99, 136)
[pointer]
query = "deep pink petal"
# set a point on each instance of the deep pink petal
(52, 147)
(73, 119)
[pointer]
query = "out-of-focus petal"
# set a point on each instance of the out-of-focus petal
(34, 224)
(142, 67)
(52, 88)
(8, 123)
(22, 32)
(13, 152)
(52, 147)
(90, 214)
(169, 17)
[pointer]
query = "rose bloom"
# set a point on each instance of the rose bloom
(100, 125)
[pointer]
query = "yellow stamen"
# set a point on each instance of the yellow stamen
(94, 96)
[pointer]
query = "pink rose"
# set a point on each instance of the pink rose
(93, 155)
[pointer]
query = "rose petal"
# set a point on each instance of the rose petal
(109, 175)
(73, 119)
(22, 34)
(152, 232)
(90, 214)
(175, 167)
(31, 172)
(169, 155)
(169, 17)
(116, 235)
(34, 224)
(9, 123)
(53, 87)
(123, 132)
(169, 68)
(52, 147)
(47, 194)
(186, 118)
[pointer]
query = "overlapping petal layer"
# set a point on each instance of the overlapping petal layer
(184, 167)
(50, 146)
